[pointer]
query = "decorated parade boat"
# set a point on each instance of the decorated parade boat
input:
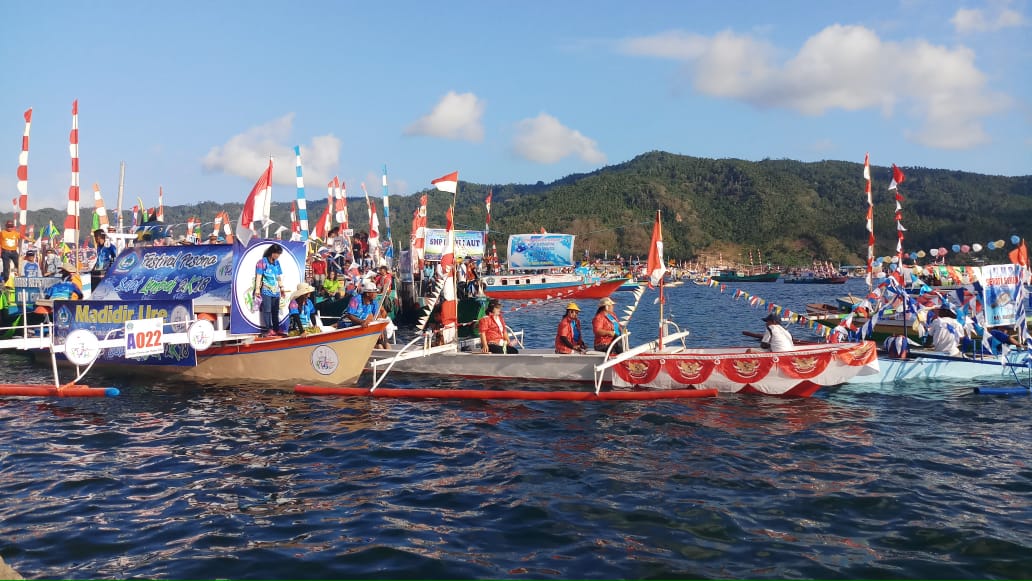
(541, 266)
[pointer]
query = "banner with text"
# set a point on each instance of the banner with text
(540, 251)
(468, 244)
(107, 320)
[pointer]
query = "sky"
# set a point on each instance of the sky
(196, 96)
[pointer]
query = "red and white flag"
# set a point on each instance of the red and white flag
(897, 177)
(255, 207)
(656, 266)
(448, 183)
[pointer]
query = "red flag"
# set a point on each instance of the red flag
(254, 207)
(1019, 255)
(448, 183)
(897, 177)
(656, 266)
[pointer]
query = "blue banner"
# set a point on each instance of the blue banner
(203, 272)
(540, 251)
(1001, 294)
(102, 317)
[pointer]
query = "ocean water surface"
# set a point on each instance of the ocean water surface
(185, 481)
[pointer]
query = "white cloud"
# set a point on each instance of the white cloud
(247, 154)
(456, 116)
(544, 139)
(973, 20)
(941, 89)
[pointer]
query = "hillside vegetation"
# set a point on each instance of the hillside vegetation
(789, 211)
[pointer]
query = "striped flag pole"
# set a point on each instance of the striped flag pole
(161, 204)
(870, 223)
(98, 204)
(387, 217)
(302, 204)
(71, 233)
(23, 175)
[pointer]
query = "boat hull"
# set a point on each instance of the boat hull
(765, 277)
(817, 280)
(797, 373)
(526, 287)
(335, 357)
(534, 365)
(921, 366)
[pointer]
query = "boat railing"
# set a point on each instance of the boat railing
(404, 354)
(611, 361)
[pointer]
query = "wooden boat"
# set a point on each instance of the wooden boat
(182, 312)
(549, 286)
(925, 364)
(541, 266)
(740, 276)
(837, 279)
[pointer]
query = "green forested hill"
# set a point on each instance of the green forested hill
(790, 211)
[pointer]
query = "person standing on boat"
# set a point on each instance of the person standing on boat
(946, 332)
(11, 240)
(268, 288)
(568, 338)
(105, 256)
(494, 334)
(606, 327)
(776, 338)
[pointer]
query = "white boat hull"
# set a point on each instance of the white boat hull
(931, 366)
(533, 365)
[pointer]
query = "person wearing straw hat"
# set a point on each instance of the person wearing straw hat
(301, 309)
(568, 338)
(606, 327)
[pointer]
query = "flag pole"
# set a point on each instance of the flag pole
(662, 299)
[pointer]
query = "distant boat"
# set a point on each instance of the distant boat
(816, 280)
(738, 276)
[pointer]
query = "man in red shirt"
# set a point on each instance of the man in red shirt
(568, 338)
(494, 334)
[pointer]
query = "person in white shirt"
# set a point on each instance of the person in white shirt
(946, 333)
(777, 338)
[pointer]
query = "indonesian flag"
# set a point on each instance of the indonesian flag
(374, 232)
(322, 225)
(487, 203)
(255, 207)
(1019, 255)
(448, 183)
(418, 241)
(897, 177)
(656, 266)
(449, 303)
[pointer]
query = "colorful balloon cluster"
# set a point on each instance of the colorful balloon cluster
(956, 249)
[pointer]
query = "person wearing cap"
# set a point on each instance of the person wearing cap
(946, 332)
(10, 239)
(494, 333)
(301, 309)
(607, 327)
(776, 338)
(268, 290)
(361, 309)
(51, 263)
(568, 337)
(105, 256)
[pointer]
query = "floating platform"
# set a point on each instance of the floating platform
(51, 391)
(432, 393)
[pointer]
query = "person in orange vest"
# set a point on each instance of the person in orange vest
(11, 239)
(494, 334)
(568, 337)
(606, 327)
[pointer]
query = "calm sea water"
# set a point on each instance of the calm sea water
(170, 481)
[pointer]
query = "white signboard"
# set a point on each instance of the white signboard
(143, 337)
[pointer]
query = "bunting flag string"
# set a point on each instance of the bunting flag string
(786, 314)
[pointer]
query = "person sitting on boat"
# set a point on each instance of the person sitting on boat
(332, 286)
(494, 334)
(268, 288)
(362, 309)
(70, 287)
(568, 338)
(301, 309)
(946, 332)
(607, 327)
(776, 338)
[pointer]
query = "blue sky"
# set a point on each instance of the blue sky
(194, 96)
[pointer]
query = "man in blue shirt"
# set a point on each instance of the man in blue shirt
(105, 256)
(362, 309)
